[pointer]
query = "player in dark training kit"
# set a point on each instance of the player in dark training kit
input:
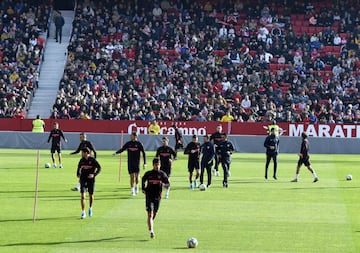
(216, 138)
(304, 158)
(225, 150)
(166, 155)
(55, 136)
(88, 169)
(84, 143)
(152, 184)
(193, 150)
(208, 154)
(134, 149)
(178, 139)
(271, 144)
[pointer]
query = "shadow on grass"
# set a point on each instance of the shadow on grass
(50, 195)
(322, 188)
(39, 219)
(15, 168)
(98, 197)
(292, 160)
(111, 239)
(270, 180)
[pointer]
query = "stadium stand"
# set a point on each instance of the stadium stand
(22, 25)
(296, 61)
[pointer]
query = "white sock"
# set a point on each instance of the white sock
(314, 174)
(132, 189)
(167, 191)
(297, 176)
(78, 185)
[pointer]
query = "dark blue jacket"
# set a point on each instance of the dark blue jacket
(208, 152)
(272, 144)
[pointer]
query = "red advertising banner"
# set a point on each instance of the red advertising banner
(187, 127)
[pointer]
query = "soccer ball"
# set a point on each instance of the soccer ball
(349, 177)
(192, 242)
(47, 165)
(202, 187)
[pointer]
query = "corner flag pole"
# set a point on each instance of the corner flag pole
(36, 184)
(120, 161)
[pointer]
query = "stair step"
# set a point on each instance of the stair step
(52, 70)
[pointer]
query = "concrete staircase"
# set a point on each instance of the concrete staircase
(52, 70)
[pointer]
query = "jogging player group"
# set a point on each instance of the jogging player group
(207, 157)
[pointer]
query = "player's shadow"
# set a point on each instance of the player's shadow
(324, 188)
(58, 198)
(115, 197)
(256, 181)
(12, 192)
(98, 197)
(111, 239)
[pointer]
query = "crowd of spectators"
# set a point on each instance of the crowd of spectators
(21, 23)
(198, 60)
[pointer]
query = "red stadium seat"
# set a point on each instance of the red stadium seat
(203, 97)
(220, 53)
(274, 67)
(119, 36)
(105, 39)
(298, 23)
(311, 30)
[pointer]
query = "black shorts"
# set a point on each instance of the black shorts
(87, 183)
(193, 165)
(179, 145)
(55, 148)
(152, 204)
(305, 161)
(218, 157)
(133, 168)
(167, 170)
(206, 164)
(271, 155)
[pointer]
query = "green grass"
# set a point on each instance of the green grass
(252, 215)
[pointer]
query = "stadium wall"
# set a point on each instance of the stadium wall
(112, 141)
(188, 127)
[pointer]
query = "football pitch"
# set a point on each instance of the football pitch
(252, 215)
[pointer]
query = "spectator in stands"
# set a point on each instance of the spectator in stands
(319, 64)
(298, 62)
(337, 40)
(246, 102)
(313, 20)
(157, 12)
(348, 116)
(266, 57)
(313, 118)
(59, 22)
(227, 117)
(336, 71)
(182, 66)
